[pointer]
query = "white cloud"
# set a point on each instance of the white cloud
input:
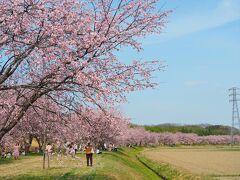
(226, 11)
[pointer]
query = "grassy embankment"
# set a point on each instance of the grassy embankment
(109, 165)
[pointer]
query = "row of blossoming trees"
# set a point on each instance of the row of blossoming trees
(140, 137)
(59, 75)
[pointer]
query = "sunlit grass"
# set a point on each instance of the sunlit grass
(127, 163)
(109, 165)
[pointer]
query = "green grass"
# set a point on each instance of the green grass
(127, 163)
(109, 165)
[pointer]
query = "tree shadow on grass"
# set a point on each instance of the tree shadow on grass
(121, 153)
(67, 176)
(6, 161)
(11, 159)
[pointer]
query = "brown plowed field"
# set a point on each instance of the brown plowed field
(205, 161)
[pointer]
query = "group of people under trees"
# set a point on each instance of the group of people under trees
(66, 149)
(71, 149)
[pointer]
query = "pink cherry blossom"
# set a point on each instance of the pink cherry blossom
(65, 50)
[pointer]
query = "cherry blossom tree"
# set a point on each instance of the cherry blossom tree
(137, 137)
(42, 121)
(92, 125)
(103, 127)
(49, 124)
(64, 49)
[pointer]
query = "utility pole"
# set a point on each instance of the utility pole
(235, 113)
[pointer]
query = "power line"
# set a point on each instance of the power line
(234, 93)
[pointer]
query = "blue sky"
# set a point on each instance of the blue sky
(201, 48)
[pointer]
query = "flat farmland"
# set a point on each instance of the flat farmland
(212, 161)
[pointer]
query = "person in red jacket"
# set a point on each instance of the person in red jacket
(89, 154)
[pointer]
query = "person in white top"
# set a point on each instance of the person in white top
(75, 148)
(49, 148)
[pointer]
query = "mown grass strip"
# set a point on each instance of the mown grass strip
(127, 156)
(149, 167)
(166, 171)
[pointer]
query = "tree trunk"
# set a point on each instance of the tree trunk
(40, 145)
(44, 158)
(28, 143)
(12, 122)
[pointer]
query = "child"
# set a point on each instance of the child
(72, 151)
(16, 151)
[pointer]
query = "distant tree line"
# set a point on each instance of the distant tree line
(200, 130)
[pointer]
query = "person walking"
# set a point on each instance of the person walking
(89, 154)
(59, 151)
(49, 150)
(72, 150)
(16, 149)
(75, 147)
